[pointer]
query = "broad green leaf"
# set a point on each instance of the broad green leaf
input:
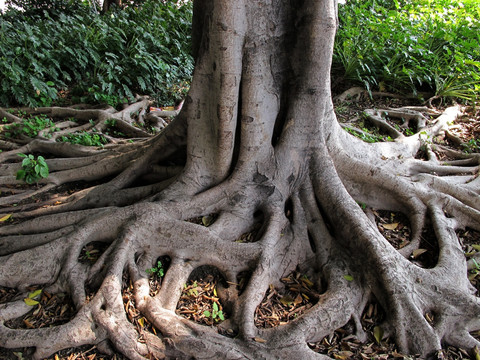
(30, 302)
(378, 333)
(207, 313)
(215, 306)
(44, 172)
(348, 277)
(220, 315)
(21, 174)
(476, 351)
(476, 247)
(6, 217)
(35, 293)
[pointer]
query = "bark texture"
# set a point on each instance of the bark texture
(256, 143)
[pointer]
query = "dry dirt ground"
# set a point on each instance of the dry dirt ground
(199, 301)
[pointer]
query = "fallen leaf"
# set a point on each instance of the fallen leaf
(416, 253)
(259, 340)
(19, 355)
(476, 247)
(391, 226)
(34, 294)
(30, 302)
(476, 351)
(348, 277)
(286, 300)
(6, 217)
(207, 220)
(378, 333)
(141, 322)
(307, 282)
(298, 300)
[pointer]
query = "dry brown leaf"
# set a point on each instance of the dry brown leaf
(259, 340)
(298, 300)
(416, 253)
(286, 300)
(391, 226)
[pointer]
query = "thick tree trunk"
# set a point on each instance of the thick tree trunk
(259, 144)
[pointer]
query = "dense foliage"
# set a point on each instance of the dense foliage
(422, 47)
(102, 58)
(410, 46)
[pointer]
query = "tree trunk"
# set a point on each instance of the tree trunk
(260, 148)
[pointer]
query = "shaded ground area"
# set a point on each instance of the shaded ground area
(200, 300)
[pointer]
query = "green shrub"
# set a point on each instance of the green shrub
(30, 127)
(410, 46)
(99, 58)
(84, 138)
(33, 169)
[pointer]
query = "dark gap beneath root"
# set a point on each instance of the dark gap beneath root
(46, 310)
(201, 300)
(280, 306)
(134, 315)
(92, 251)
(343, 344)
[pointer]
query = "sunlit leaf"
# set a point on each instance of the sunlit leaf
(141, 321)
(35, 293)
(6, 217)
(416, 253)
(259, 340)
(476, 351)
(30, 302)
(348, 277)
(391, 226)
(378, 333)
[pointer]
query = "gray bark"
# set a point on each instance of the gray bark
(257, 134)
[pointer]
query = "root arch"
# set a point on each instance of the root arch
(264, 153)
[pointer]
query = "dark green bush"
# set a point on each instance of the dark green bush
(102, 58)
(410, 46)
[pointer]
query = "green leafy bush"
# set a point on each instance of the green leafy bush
(33, 169)
(30, 127)
(410, 46)
(84, 138)
(99, 58)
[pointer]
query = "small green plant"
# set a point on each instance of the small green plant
(156, 270)
(216, 314)
(84, 138)
(409, 132)
(472, 145)
(367, 137)
(33, 169)
(29, 127)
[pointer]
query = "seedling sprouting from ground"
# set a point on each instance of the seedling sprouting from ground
(33, 169)
(156, 270)
(216, 314)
